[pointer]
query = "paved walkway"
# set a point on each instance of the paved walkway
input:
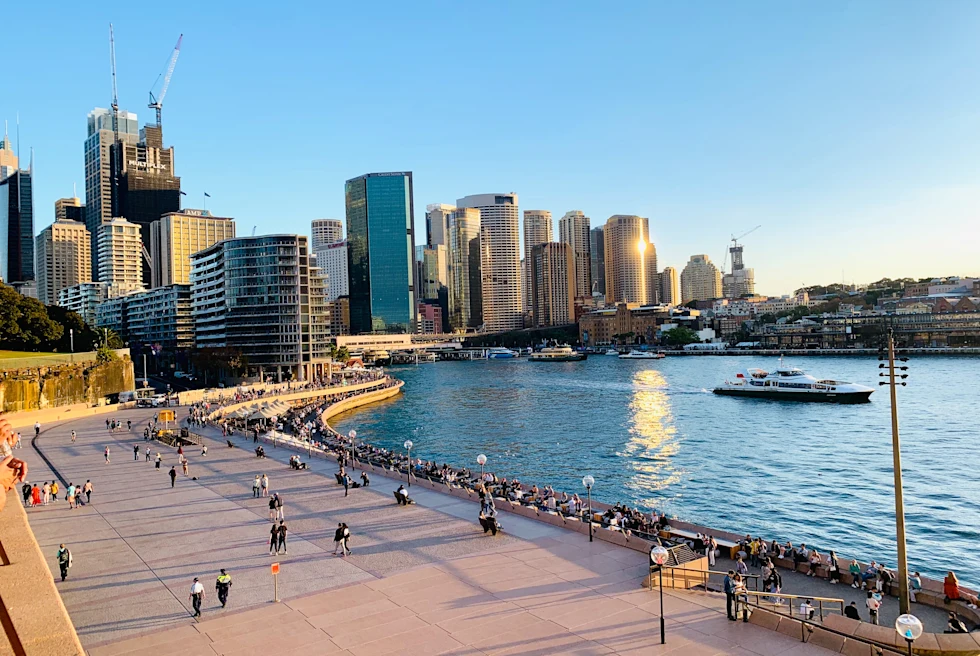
(422, 580)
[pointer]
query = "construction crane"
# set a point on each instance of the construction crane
(736, 251)
(157, 102)
(115, 95)
(254, 229)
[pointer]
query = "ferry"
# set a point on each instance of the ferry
(641, 355)
(793, 384)
(562, 353)
(611, 351)
(500, 353)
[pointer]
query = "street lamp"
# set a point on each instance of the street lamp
(910, 628)
(481, 460)
(408, 447)
(588, 482)
(659, 556)
(352, 434)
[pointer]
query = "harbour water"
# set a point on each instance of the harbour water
(653, 436)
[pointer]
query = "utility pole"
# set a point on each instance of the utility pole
(903, 566)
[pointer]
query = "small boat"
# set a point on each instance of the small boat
(611, 352)
(500, 353)
(792, 384)
(562, 353)
(641, 355)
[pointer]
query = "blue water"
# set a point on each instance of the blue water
(652, 435)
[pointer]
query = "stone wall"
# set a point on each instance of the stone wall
(62, 385)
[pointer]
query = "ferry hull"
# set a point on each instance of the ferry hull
(565, 358)
(813, 397)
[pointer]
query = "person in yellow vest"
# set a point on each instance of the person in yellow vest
(221, 586)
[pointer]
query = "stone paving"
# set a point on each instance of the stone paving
(422, 579)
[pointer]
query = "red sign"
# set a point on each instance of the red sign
(275, 568)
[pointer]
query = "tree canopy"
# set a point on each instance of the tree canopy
(680, 336)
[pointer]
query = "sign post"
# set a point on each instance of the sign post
(275, 580)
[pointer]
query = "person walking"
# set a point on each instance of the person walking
(35, 496)
(279, 503)
(272, 508)
(346, 480)
(265, 485)
(129, 424)
(274, 539)
(45, 494)
(196, 596)
(712, 547)
(281, 547)
(184, 465)
(146, 451)
(87, 489)
(72, 491)
(730, 594)
(256, 486)
(73, 436)
(106, 452)
(37, 428)
(221, 586)
(54, 490)
(204, 449)
(108, 425)
(64, 560)
(159, 460)
(136, 452)
(25, 491)
(338, 537)
(874, 605)
(173, 476)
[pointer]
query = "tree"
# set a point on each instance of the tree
(24, 323)
(105, 354)
(680, 336)
(109, 337)
(85, 338)
(343, 355)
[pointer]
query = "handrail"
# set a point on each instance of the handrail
(705, 574)
(777, 598)
(875, 648)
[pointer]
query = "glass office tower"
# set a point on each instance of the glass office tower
(380, 249)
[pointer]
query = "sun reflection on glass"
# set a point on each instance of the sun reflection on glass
(653, 439)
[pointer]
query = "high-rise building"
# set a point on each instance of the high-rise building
(332, 261)
(429, 320)
(380, 248)
(252, 294)
(465, 296)
(631, 261)
(435, 271)
(537, 230)
(100, 175)
(120, 257)
(437, 223)
(62, 258)
(148, 187)
(700, 280)
(17, 226)
(83, 298)
(597, 253)
(175, 236)
(670, 289)
(71, 209)
(573, 229)
(553, 284)
(160, 317)
(326, 232)
(500, 269)
(741, 281)
(8, 158)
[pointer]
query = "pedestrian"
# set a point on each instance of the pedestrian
(159, 459)
(712, 548)
(185, 466)
(106, 452)
(64, 561)
(146, 450)
(338, 537)
(45, 494)
(346, 480)
(146, 433)
(108, 425)
(129, 424)
(851, 611)
(136, 452)
(365, 481)
(54, 490)
(915, 584)
(196, 596)
(25, 490)
(874, 604)
(71, 495)
(87, 489)
(204, 449)
(282, 537)
(740, 567)
(279, 512)
(265, 485)
(222, 586)
(256, 485)
(37, 428)
(272, 508)
(730, 594)
(73, 436)
(345, 541)
(35, 496)
(173, 476)
(274, 539)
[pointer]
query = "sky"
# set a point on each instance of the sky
(850, 131)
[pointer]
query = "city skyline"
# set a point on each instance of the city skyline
(848, 141)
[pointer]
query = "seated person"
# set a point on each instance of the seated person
(955, 625)
(259, 452)
(851, 611)
(402, 493)
(365, 481)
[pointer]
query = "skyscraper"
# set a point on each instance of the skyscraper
(631, 260)
(176, 236)
(71, 209)
(380, 247)
(501, 266)
(700, 280)
(62, 258)
(325, 232)
(553, 284)
(538, 229)
(670, 290)
(8, 158)
(100, 177)
(120, 257)
(464, 270)
(597, 252)
(148, 188)
(332, 262)
(741, 281)
(437, 223)
(573, 229)
(17, 226)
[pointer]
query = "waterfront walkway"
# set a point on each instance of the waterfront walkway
(422, 580)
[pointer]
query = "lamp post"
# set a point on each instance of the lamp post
(910, 628)
(352, 434)
(481, 460)
(588, 482)
(408, 447)
(659, 556)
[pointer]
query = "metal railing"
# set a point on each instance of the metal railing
(776, 599)
(704, 575)
(807, 628)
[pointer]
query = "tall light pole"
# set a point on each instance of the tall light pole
(408, 447)
(903, 565)
(481, 460)
(352, 435)
(659, 556)
(588, 482)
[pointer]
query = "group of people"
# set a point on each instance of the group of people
(75, 495)
(222, 586)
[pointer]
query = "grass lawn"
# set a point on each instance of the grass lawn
(23, 354)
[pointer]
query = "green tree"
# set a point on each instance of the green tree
(343, 355)
(105, 354)
(109, 337)
(24, 322)
(85, 338)
(680, 336)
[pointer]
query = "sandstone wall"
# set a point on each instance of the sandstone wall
(62, 385)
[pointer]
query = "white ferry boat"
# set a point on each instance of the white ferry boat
(611, 351)
(563, 353)
(641, 355)
(500, 353)
(793, 384)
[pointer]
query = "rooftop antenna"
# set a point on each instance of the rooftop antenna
(155, 102)
(115, 95)
(18, 138)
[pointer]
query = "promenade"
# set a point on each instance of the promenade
(422, 579)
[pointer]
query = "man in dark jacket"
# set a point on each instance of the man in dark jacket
(730, 594)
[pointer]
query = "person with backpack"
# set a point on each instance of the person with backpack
(64, 560)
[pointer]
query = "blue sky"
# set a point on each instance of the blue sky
(849, 130)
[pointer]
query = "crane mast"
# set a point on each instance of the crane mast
(156, 103)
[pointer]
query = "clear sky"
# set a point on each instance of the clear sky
(849, 130)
